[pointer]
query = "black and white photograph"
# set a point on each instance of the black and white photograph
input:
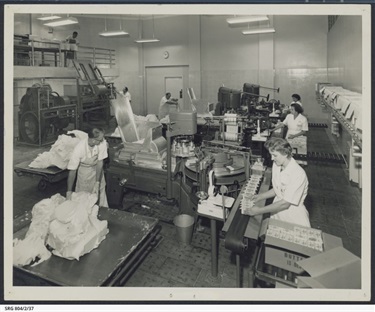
(187, 152)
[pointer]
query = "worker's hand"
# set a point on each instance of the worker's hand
(253, 211)
(291, 136)
(255, 198)
(258, 197)
(96, 188)
(68, 195)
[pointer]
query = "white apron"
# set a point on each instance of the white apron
(294, 214)
(86, 178)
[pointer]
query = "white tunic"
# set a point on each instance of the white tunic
(163, 108)
(84, 158)
(295, 125)
(291, 184)
(128, 96)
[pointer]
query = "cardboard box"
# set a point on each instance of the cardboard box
(282, 285)
(337, 268)
(286, 254)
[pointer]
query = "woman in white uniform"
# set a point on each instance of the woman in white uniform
(86, 163)
(290, 187)
(297, 123)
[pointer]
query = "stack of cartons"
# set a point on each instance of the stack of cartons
(318, 258)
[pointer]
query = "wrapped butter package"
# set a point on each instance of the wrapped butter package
(60, 152)
(70, 229)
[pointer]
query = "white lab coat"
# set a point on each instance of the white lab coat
(295, 125)
(163, 108)
(291, 184)
(84, 158)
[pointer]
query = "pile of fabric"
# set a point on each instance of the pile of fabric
(60, 151)
(70, 229)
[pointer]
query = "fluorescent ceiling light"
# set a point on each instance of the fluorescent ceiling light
(247, 19)
(141, 40)
(62, 22)
(113, 33)
(258, 31)
(48, 17)
(144, 40)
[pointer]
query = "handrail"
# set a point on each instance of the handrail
(44, 52)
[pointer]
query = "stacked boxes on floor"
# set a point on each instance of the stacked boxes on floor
(318, 258)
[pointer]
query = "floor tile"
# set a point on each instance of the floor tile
(180, 271)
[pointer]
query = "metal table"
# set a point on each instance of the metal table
(128, 242)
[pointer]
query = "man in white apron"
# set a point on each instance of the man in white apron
(290, 187)
(86, 163)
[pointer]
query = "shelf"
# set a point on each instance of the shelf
(355, 134)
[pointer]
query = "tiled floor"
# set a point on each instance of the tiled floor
(334, 205)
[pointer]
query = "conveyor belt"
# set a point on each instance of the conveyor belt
(322, 156)
(234, 239)
(317, 125)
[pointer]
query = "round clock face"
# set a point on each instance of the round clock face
(166, 54)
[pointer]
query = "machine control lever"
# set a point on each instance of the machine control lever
(123, 182)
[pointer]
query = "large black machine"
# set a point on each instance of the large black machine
(242, 113)
(44, 114)
(247, 101)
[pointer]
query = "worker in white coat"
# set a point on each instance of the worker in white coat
(165, 101)
(290, 186)
(296, 99)
(297, 123)
(86, 163)
(127, 94)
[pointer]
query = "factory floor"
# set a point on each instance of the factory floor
(333, 202)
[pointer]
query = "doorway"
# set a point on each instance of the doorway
(162, 79)
(174, 85)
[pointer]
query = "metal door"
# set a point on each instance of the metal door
(162, 79)
(174, 85)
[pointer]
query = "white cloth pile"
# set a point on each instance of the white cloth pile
(60, 151)
(70, 227)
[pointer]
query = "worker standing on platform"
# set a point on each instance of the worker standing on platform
(86, 163)
(164, 105)
(72, 53)
(297, 123)
(290, 187)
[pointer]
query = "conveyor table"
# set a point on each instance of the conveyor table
(128, 242)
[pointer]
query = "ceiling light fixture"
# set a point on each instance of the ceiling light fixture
(48, 17)
(247, 19)
(145, 40)
(258, 31)
(62, 22)
(113, 33)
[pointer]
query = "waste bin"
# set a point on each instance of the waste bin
(184, 226)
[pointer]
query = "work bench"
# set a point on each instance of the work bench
(131, 237)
